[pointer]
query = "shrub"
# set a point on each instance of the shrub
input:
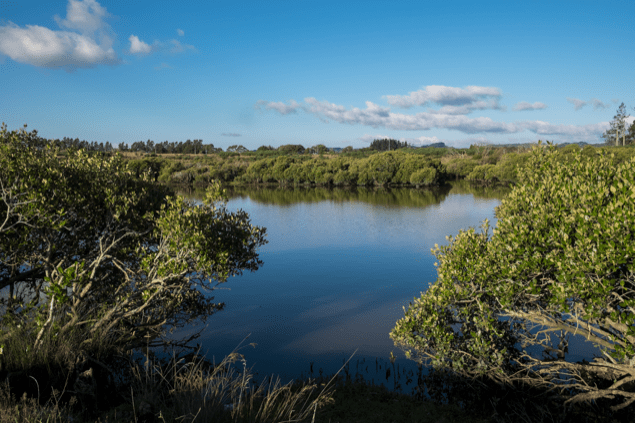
(425, 176)
(561, 259)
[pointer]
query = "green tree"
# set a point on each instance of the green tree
(630, 135)
(291, 149)
(387, 144)
(559, 262)
(618, 127)
(237, 149)
(87, 248)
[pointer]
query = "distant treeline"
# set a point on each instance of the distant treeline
(293, 164)
(403, 167)
(197, 147)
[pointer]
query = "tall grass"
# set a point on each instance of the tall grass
(192, 389)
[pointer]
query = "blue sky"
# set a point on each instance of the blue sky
(309, 72)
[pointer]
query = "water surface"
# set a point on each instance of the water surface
(339, 267)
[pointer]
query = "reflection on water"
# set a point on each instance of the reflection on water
(340, 266)
(398, 197)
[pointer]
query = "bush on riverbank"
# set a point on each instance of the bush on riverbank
(561, 260)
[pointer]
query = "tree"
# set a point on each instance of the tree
(237, 149)
(291, 149)
(618, 127)
(387, 144)
(630, 136)
(87, 248)
(560, 261)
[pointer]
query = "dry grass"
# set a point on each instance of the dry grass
(195, 390)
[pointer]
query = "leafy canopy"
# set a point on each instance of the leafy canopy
(87, 246)
(560, 260)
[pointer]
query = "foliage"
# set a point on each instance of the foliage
(86, 247)
(560, 260)
(425, 176)
(461, 167)
(291, 149)
(618, 128)
(484, 172)
(387, 144)
(237, 149)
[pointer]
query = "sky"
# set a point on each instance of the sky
(316, 72)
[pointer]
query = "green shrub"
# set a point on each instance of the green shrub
(483, 173)
(425, 176)
(561, 259)
(461, 166)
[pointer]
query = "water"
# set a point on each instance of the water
(339, 267)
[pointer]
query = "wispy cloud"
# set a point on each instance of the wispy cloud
(85, 40)
(453, 99)
(523, 105)
(178, 47)
(279, 106)
(230, 134)
(597, 104)
(180, 32)
(577, 103)
(163, 66)
(172, 46)
(376, 116)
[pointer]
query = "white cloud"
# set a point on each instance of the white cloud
(370, 138)
(40, 46)
(458, 100)
(85, 16)
(597, 104)
(376, 116)
(139, 47)
(523, 105)
(423, 140)
(180, 32)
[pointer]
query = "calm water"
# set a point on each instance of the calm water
(339, 267)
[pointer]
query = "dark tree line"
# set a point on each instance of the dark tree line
(32, 139)
(188, 147)
(387, 144)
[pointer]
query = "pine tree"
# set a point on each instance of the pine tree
(618, 127)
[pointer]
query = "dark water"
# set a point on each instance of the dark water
(339, 267)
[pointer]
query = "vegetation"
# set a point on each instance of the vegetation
(387, 144)
(559, 262)
(100, 262)
(619, 133)
(100, 265)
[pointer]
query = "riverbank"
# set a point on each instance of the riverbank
(404, 167)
